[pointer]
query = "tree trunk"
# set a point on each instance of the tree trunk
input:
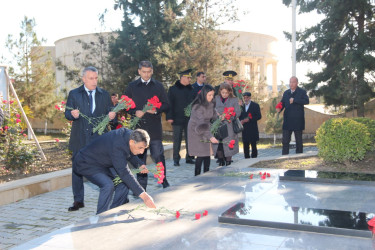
(274, 139)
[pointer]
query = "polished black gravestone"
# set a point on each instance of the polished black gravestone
(301, 219)
(328, 177)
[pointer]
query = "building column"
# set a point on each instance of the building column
(274, 79)
(262, 77)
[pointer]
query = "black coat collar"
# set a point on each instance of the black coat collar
(180, 86)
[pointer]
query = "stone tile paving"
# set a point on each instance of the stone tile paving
(31, 218)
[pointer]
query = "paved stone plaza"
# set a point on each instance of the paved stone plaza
(43, 214)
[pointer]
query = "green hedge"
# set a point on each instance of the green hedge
(342, 139)
(370, 124)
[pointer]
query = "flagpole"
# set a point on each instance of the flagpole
(294, 73)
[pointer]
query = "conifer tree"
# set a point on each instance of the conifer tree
(202, 45)
(34, 78)
(343, 43)
(147, 27)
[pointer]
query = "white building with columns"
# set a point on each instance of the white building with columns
(257, 55)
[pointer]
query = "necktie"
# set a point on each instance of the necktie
(90, 100)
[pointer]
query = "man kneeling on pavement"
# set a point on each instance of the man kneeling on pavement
(107, 156)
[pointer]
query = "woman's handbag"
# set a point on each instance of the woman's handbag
(237, 126)
(222, 132)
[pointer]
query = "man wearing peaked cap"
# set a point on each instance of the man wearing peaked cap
(180, 95)
(228, 78)
(230, 74)
(186, 73)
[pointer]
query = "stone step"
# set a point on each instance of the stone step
(14, 191)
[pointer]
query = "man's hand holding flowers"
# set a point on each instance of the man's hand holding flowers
(151, 106)
(279, 107)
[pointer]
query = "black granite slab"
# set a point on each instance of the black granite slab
(328, 177)
(324, 221)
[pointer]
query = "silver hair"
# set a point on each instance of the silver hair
(89, 68)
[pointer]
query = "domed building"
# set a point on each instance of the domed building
(257, 53)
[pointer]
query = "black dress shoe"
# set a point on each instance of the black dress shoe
(227, 163)
(190, 161)
(165, 184)
(221, 163)
(176, 163)
(76, 205)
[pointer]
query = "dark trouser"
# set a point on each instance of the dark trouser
(286, 140)
(77, 184)
(157, 155)
(105, 183)
(178, 130)
(220, 153)
(254, 150)
(198, 164)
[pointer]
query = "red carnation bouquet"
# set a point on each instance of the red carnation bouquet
(158, 174)
(152, 104)
(228, 114)
(250, 116)
(239, 88)
(124, 103)
(279, 106)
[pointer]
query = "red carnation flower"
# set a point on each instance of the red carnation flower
(205, 213)
(18, 120)
(231, 144)
(118, 126)
(57, 140)
(251, 176)
(178, 214)
(279, 105)
(250, 116)
(197, 216)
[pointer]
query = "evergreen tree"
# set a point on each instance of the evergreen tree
(343, 42)
(148, 26)
(202, 46)
(34, 78)
(274, 121)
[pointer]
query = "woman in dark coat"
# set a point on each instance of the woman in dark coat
(226, 99)
(199, 128)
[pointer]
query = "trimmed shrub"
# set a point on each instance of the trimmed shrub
(342, 139)
(370, 124)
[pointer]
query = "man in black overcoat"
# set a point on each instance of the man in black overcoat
(113, 151)
(180, 96)
(140, 91)
(293, 102)
(249, 118)
(94, 102)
